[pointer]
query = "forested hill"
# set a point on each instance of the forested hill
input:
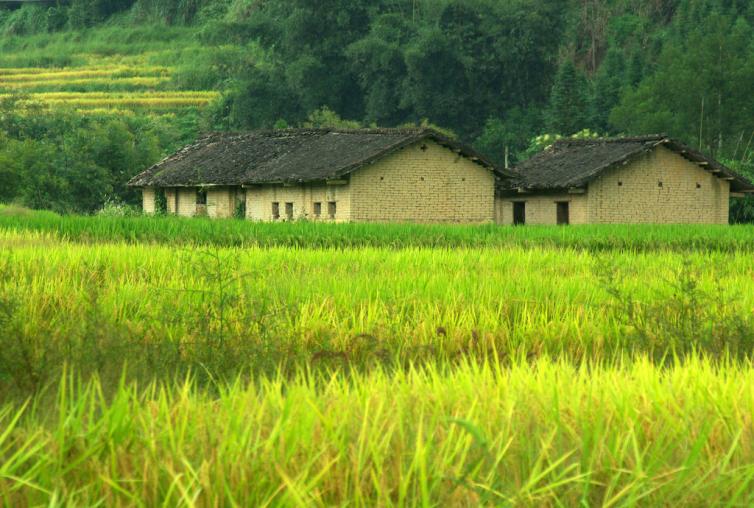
(497, 73)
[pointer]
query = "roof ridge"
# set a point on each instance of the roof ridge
(318, 130)
(613, 139)
(288, 155)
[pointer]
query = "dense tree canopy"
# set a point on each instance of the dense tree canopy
(496, 73)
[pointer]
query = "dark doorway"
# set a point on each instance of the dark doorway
(519, 213)
(563, 215)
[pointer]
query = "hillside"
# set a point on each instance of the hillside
(497, 74)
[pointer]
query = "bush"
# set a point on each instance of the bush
(28, 20)
(115, 208)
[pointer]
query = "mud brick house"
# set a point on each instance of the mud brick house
(650, 179)
(375, 175)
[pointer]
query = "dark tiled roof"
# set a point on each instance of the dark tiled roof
(570, 163)
(290, 155)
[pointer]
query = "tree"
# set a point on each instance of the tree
(569, 111)
(702, 90)
(378, 63)
(508, 135)
(608, 84)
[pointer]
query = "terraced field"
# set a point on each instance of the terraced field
(102, 85)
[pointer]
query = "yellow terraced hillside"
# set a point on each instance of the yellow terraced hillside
(102, 85)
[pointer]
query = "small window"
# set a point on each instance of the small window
(201, 197)
(659, 184)
(620, 184)
(519, 213)
(289, 211)
(332, 209)
(562, 213)
(275, 210)
(317, 210)
(698, 185)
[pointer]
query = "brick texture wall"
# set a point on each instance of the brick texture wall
(632, 194)
(170, 200)
(433, 184)
(424, 182)
(148, 200)
(221, 202)
(542, 209)
(688, 194)
(186, 201)
(259, 201)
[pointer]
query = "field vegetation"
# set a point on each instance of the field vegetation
(539, 433)
(127, 226)
(137, 86)
(415, 365)
(162, 361)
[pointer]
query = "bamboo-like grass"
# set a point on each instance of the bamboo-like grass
(541, 434)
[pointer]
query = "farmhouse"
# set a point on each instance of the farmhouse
(650, 179)
(376, 175)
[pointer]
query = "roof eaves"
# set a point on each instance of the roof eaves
(586, 179)
(743, 183)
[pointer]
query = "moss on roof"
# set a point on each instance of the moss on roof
(286, 156)
(573, 163)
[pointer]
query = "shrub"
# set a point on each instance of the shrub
(115, 208)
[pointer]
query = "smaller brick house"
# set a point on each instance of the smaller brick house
(374, 175)
(649, 179)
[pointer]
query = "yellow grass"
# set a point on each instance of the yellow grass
(40, 85)
(133, 81)
(36, 74)
(156, 100)
(50, 96)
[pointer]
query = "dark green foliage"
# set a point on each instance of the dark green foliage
(508, 134)
(161, 202)
(742, 208)
(701, 90)
(29, 19)
(67, 162)
(569, 107)
(378, 63)
(495, 73)
(608, 84)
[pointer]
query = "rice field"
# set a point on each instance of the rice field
(373, 365)
(302, 234)
(540, 434)
(102, 84)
